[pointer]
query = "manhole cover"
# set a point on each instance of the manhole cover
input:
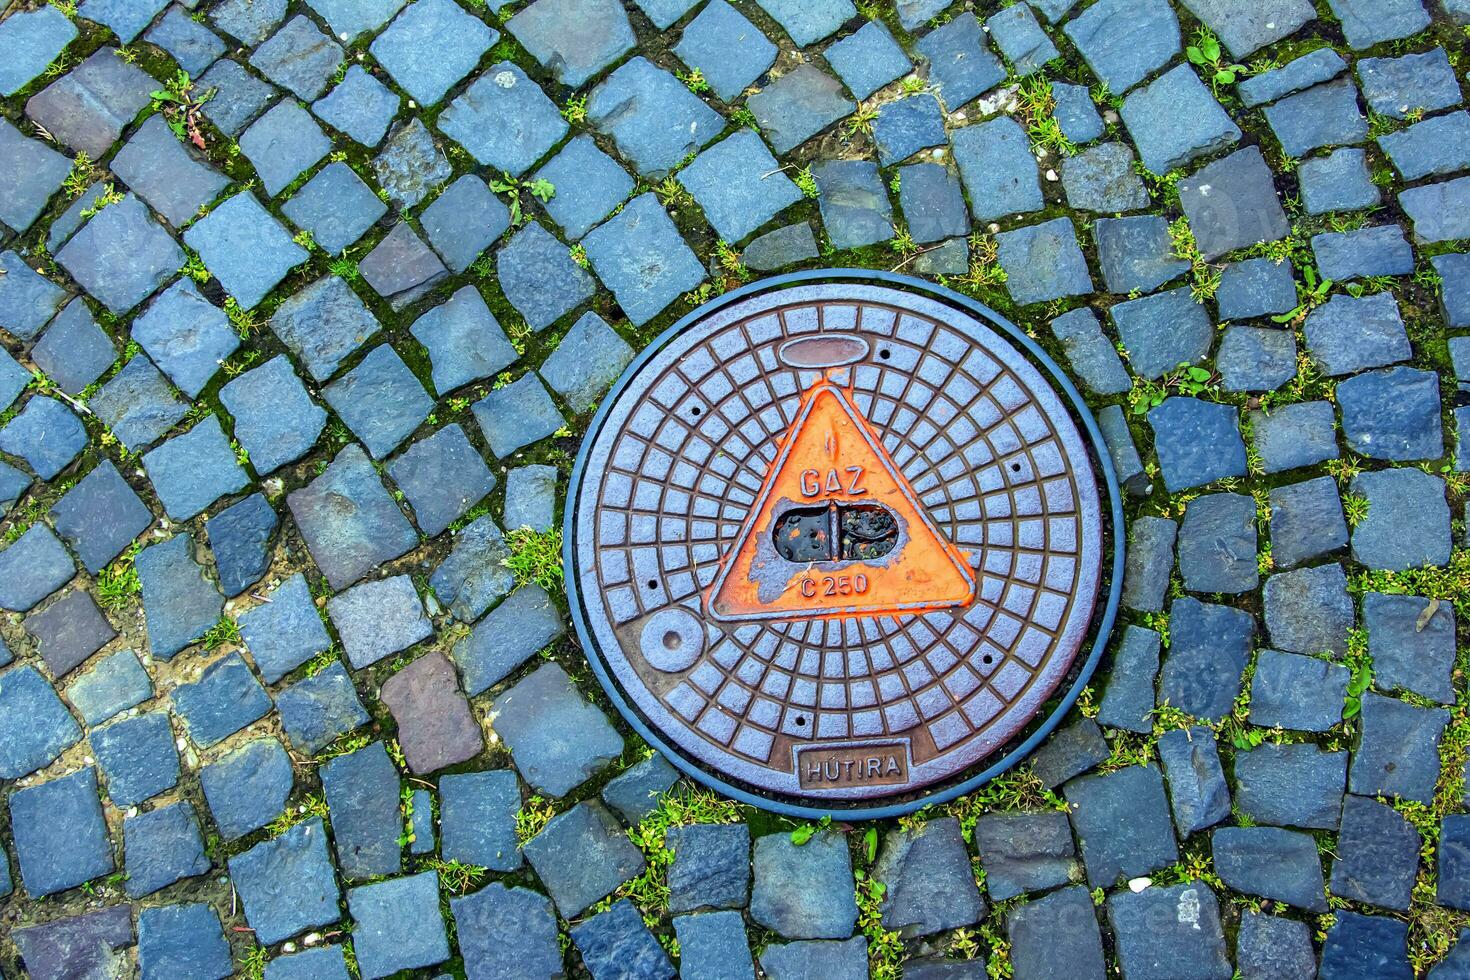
(832, 545)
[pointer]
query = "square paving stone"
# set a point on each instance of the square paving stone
(240, 537)
(1136, 253)
(246, 249)
(167, 174)
(654, 120)
(411, 165)
(589, 184)
(121, 255)
(88, 107)
(503, 119)
(276, 422)
(225, 699)
(380, 400)
(1347, 335)
(1294, 435)
(1051, 936)
(617, 942)
(162, 847)
(182, 940)
(855, 208)
(1070, 751)
(1436, 210)
(1025, 852)
(1122, 821)
(194, 46)
(1128, 700)
(711, 867)
(1271, 863)
(463, 221)
(1308, 610)
(641, 257)
(138, 404)
(1377, 857)
(1232, 203)
(322, 325)
(1338, 181)
(1043, 262)
(586, 362)
(60, 834)
(31, 568)
(1396, 87)
(809, 21)
(287, 883)
(350, 18)
(1398, 750)
(1169, 933)
(50, 728)
(378, 618)
(436, 728)
(68, 631)
(639, 790)
(1149, 563)
(1376, 251)
(961, 64)
(1368, 23)
(361, 107)
(1123, 42)
(186, 335)
(1197, 442)
(1274, 946)
(803, 891)
(932, 203)
(191, 471)
(521, 625)
(138, 757)
(431, 46)
(478, 818)
(797, 106)
(282, 144)
(555, 737)
(1021, 39)
(1365, 946)
(1217, 544)
(398, 925)
(1207, 656)
(13, 483)
(739, 185)
(347, 544)
(362, 790)
(530, 497)
(1174, 119)
(1429, 148)
(78, 945)
(14, 379)
(320, 709)
(574, 39)
(74, 352)
(28, 300)
(516, 415)
(845, 960)
(125, 18)
(299, 58)
(729, 51)
(401, 268)
(929, 885)
(540, 279)
(31, 40)
(1297, 692)
(285, 632)
(1246, 28)
(1307, 521)
(998, 169)
(1256, 358)
(1408, 520)
(115, 684)
(238, 95)
(1412, 643)
(714, 944)
(1327, 115)
(247, 788)
(1100, 178)
(502, 931)
(179, 603)
(1291, 785)
(336, 207)
(1076, 113)
(906, 126)
(46, 434)
(464, 340)
(36, 171)
(443, 476)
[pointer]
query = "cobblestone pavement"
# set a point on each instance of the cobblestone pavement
(305, 304)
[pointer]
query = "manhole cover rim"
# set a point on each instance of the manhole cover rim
(1076, 410)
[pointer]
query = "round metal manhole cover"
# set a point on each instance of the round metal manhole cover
(833, 545)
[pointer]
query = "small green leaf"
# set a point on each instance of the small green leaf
(870, 841)
(1199, 374)
(1194, 55)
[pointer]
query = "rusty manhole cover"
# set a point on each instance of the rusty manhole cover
(834, 545)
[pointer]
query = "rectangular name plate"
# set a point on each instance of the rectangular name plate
(840, 766)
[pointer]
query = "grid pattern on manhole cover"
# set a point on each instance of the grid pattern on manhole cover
(887, 703)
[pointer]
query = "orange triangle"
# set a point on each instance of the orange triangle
(856, 540)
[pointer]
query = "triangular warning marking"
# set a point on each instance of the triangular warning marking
(831, 458)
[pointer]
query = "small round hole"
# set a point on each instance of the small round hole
(801, 719)
(695, 411)
(885, 353)
(987, 659)
(1015, 467)
(653, 583)
(672, 640)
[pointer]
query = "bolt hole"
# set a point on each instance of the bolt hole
(1015, 467)
(988, 659)
(695, 411)
(672, 640)
(653, 583)
(885, 353)
(801, 720)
